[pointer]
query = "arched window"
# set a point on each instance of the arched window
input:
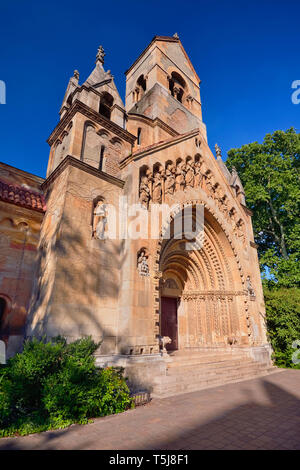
(2, 310)
(141, 82)
(139, 132)
(139, 89)
(106, 102)
(101, 158)
(177, 86)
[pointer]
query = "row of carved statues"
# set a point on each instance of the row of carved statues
(175, 177)
(161, 184)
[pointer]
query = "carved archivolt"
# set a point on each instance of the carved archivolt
(160, 183)
(209, 269)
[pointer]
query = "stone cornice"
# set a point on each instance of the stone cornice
(71, 161)
(157, 147)
(79, 107)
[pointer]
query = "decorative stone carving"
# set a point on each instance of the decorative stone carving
(170, 179)
(157, 187)
(209, 182)
(223, 203)
(250, 288)
(189, 175)
(218, 151)
(76, 74)
(232, 214)
(163, 341)
(100, 55)
(180, 176)
(145, 192)
(142, 263)
(239, 230)
(99, 220)
(198, 174)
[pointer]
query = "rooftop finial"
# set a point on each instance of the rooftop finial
(218, 151)
(76, 74)
(175, 36)
(100, 55)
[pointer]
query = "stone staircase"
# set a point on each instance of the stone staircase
(191, 371)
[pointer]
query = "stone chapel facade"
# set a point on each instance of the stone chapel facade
(144, 299)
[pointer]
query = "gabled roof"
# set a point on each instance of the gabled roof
(165, 39)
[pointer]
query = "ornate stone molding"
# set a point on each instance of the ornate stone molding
(213, 295)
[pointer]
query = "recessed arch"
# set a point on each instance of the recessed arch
(212, 286)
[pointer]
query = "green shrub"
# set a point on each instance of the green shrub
(283, 323)
(54, 384)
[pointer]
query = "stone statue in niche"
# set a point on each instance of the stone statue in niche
(239, 230)
(145, 193)
(157, 187)
(99, 220)
(170, 179)
(223, 203)
(180, 177)
(209, 182)
(232, 215)
(189, 175)
(142, 263)
(250, 288)
(214, 190)
(198, 174)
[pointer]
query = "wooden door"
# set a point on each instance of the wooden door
(169, 325)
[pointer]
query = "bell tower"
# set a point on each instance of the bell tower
(162, 86)
(92, 123)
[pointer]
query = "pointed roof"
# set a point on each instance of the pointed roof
(174, 38)
(98, 76)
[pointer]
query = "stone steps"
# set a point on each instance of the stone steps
(217, 368)
(189, 372)
(207, 362)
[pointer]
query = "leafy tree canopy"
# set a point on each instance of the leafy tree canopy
(270, 176)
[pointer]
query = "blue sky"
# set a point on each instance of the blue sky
(245, 53)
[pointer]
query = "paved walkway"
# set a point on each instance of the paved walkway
(262, 413)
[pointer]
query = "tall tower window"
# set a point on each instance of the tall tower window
(106, 102)
(101, 158)
(139, 132)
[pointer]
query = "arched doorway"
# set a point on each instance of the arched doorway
(207, 307)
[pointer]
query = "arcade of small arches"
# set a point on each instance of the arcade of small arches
(159, 183)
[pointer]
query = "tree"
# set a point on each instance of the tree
(270, 176)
